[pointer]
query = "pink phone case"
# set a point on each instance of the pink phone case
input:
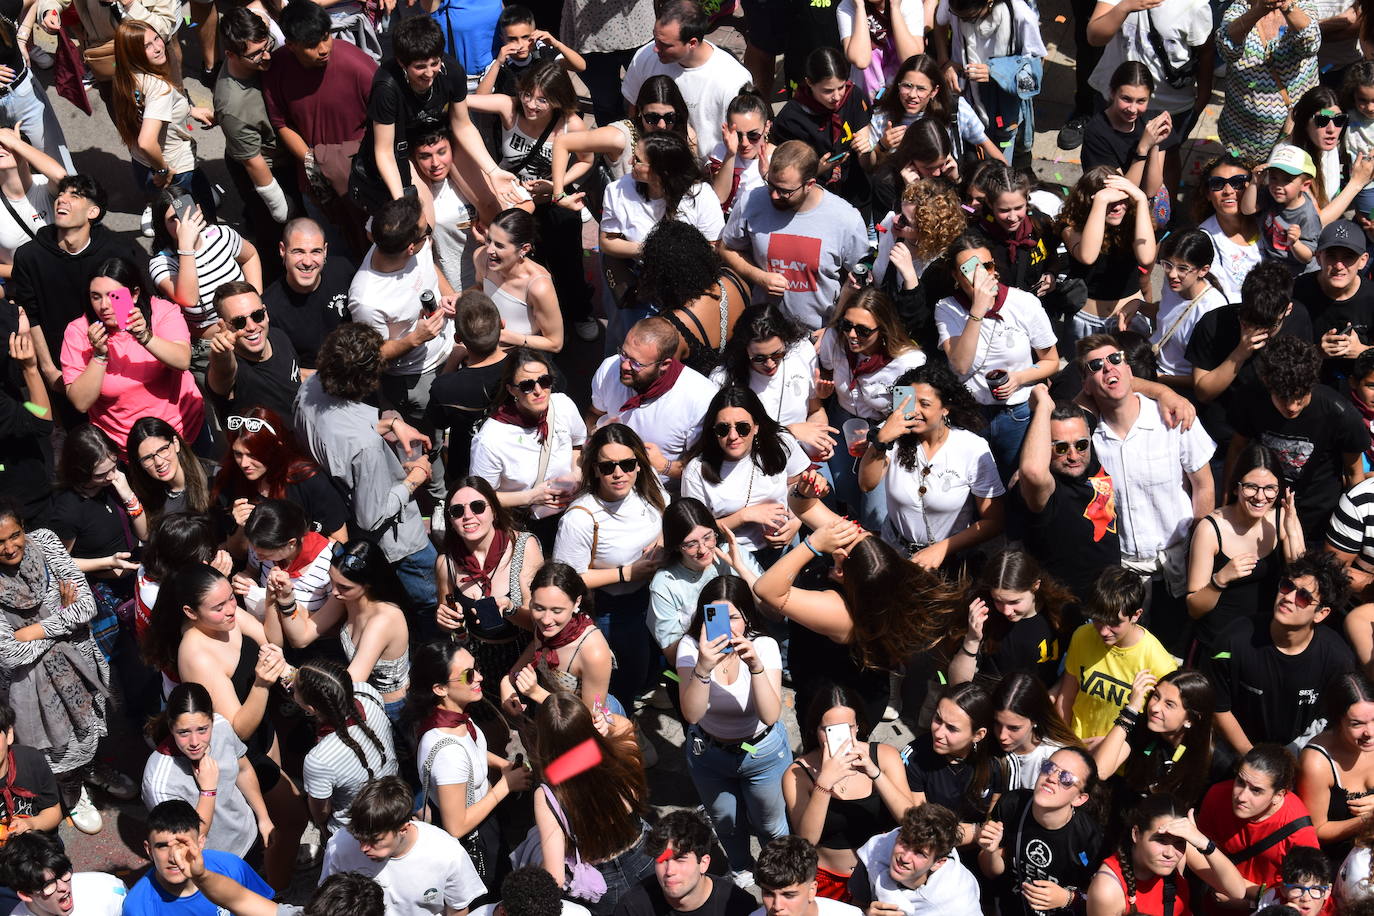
(123, 302)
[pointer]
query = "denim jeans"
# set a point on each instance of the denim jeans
(1005, 431)
(622, 874)
(416, 573)
(732, 785)
(28, 104)
(869, 509)
(621, 620)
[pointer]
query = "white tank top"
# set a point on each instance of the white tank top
(516, 313)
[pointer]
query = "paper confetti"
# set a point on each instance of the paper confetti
(34, 409)
(1059, 177)
(672, 676)
(1060, 19)
(968, 208)
(747, 747)
(578, 760)
(999, 122)
(942, 677)
(880, 227)
(1222, 655)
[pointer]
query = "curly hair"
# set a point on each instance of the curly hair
(678, 265)
(1333, 587)
(350, 361)
(929, 828)
(1289, 367)
(1080, 203)
(940, 217)
(963, 409)
(756, 324)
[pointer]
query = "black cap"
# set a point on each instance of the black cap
(1342, 234)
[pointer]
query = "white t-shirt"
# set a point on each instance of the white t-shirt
(508, 455)
(453, 240)
(731, 713)
(622, 530)
(870, 395)
(707, 89)
(162, 102)
(34, 210)
(435, 873)
(1233, 262)
(962, 469)
(1181, 24)
(787, 393)
(626, 212)
(94, 893)
(390, 304)
(461, 760)
(743, 484)
(672, 421)
(1172, 358)
(1005, 343)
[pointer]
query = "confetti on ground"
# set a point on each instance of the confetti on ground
(1059, 177)
(672, 676)
(1060, 19)
(578, 760)
(1141, 269)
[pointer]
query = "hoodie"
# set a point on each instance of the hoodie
(54, 286)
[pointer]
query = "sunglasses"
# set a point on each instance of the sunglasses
(669, 118)
(1059, 774)
(1062, 448)
(458, 510)
(1321, 119)
(466, 676)
(742, 428)
(1116, 359)
(1303, 598)
(252, 424)
(753, 136)
(607, 468)
(860, 331)
(239, 322)
(760, 359)
(528, 385)
(1237, 182)
(901, 222)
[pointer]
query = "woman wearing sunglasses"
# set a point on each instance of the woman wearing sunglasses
(1235, 234)
(611, 534)
(999, 342)
(1336, 768)
(1237, 556)
(860, 358)
(751, 474)
(1318, 129)
(126, 357)
(740, 159)
(265, 461)
(831, 116)
(163, 472)
(530, 446)
(483, 575)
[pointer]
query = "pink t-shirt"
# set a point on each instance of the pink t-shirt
(136, 383)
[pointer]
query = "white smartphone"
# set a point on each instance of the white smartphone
(836, 736)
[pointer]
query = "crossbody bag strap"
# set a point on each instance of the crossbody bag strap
(439, 745)
(1187, 310)
(23, 223)
(534, 150)
(1272, 840)
(596, 531)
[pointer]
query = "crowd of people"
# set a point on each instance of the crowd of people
(404, 492)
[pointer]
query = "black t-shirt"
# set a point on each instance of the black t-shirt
(457, 402)
(32, 774)
(308, 317)
(646, 899)
(393, 102)
(93, 525)
(1327, 314)
(1214, 337)
(943, 782)
(272, 382)
(1067, 856)
(1075, 536)
(13, 11)
(1310, 447)
(1031, 263)
(1029, 645)
(1103, 144)
(1274, 697)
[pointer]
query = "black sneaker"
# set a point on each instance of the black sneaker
(1071, 134)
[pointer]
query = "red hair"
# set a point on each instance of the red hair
(279, 452)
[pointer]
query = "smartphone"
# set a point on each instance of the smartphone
(183, 205)
(123, 302)
(836, 736)
(969, 268)
(718, 622)
(836, 158)
(899, 394)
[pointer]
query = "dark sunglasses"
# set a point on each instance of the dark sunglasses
(458, 510)
(1340, 120)
(1062, 448)
(742, 428)
(759, 359)
(1116, 359)
(668, 117)
(528, 385)
(239, 322)
(607, 468)
(860, 331)
(753, 136)
(466, 676)
(1238, 182)
(1302, 599)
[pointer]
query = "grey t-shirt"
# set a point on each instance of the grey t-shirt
(234, 827)
(242, 115)
(1274, 222)
(811, 248)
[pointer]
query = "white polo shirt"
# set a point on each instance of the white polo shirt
(507, 456)
(672, 421)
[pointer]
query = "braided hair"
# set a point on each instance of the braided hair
(325, 686)
(1151, 809)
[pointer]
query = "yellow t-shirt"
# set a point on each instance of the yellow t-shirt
(1105, 674)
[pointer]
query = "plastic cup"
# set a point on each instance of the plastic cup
(856, 436)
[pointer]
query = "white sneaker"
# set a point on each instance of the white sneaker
(85, 815)
(40, 58)
(587, 329)
(743, 879)
(145, 223)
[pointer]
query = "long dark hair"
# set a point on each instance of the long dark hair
(1202, 207)
(324, 684)
(126, 274)
(1254, 456)
(755, 324)
(84, 448)
(1195, 247)
(185, 588)
(1313, 101)
(681, 516)
(646, 482)
(429, 668)
(517, 359)
(1186, 777)
(678, 265)
(152, 492)
(672, 161)
(501, 519)
(828, 697)
(963, 409)
(1150, 809)
(661, 90)
(1023, 694)
(177, 539)
(185, 698)
(769, 452)
(735, 590)
(940, 108)
(1017, 571)
(975, 703)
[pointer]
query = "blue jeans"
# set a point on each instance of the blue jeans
(868, 509)
(621, 620)
(28, 103)
(193, 182)
(732, 784)
(622, 874)
(416, 573)
(1005, 431)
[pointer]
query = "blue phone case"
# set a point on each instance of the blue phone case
(717, 616)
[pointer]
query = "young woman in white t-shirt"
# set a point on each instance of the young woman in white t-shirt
(1235, 234)
(731, 693)
(452, 755)
(741, 157)
(1027, 728)
(1190, 291)
(916, 92)
(30, 196)
(611, 534)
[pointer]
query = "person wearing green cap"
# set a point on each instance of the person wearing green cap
(1289, 220)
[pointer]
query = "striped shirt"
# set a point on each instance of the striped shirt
(309, 572)
(333, 772)
(1352, 524)
(215, 264)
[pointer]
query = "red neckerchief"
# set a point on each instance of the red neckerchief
(995, 313)
(1022, 238)
(167, 748)
(321, 729)
(311, 546)
(661, 385)
(481, 572)
(447, 718)
(1368, 414)
(9, 791)
(865, 366)
(834, 117)
(547, 651)
(509, 413)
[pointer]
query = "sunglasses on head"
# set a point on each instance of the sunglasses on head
(1062, 448)
(239, 322)
(1116, 359)
(528, 385)
(458, 510)
(1059, 774)
(1322, 119)
(607, 468)
(742, 428)
(1303, 598)
(860, 331)
(1237, 182)
(668, 117)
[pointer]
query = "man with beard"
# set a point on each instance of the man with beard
(915, 869)
(681, 847)
(252, 364)
(1068, 497)
(646, 388)
(793, 240)
(33, 865)
(311, 298)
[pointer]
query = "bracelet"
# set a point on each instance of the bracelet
(185, 253)
(492, 169)
(755, 673)
(100, 357)
(1127, 722)
(620, 571)
(828, 790)
(287, 606)
(704, 680)
(1215, 584)
(134, 511)
(812, 547)
(973, 317)
(967, 652)
(560, 195)
(144, 341)
(208, 793)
